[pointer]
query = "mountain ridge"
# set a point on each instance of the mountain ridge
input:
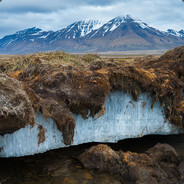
(119, 34)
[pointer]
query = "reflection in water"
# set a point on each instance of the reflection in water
(62, 167)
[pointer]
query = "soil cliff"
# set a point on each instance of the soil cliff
(58, 84)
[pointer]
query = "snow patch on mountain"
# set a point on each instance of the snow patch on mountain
(88, 26)
(141, 24)
(44, 36)
(33, 31)
(176, 33)
(37, 33)
(113, 24)
(82, 28)
(8, 42)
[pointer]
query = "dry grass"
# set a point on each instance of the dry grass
(15, 63)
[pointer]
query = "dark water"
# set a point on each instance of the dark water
(62, 167)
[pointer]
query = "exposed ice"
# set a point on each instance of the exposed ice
(124, 118)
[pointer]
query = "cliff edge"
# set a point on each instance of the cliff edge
(64, 88)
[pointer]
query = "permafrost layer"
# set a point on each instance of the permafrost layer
(123, 118)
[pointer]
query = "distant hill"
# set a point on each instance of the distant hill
(119, 34)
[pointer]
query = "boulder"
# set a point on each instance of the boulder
(159, 164)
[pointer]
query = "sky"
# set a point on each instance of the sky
(16, 15)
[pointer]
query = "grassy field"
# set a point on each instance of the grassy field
(133, 53)
(13, 63)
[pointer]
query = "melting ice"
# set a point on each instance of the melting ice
(123, 118)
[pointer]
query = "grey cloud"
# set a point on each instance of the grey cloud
(56, 14)
(21, 6)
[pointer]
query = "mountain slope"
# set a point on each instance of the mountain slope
(129, 33)
(31, 34)
(113, 25)
(77, 29)
(176, 33)
(120, 33)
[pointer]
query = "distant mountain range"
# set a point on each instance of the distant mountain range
(119, 34)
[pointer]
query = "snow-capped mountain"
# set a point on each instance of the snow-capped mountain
(176, 33)
(78, 29)
(128, 33)
(114, 24)
(120, 33)
(27, 35)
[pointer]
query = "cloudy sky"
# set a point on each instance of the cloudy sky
(16, 15)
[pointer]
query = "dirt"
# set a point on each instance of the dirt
(15, 107)
(41, 135)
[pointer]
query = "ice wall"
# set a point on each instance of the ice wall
(124, 118)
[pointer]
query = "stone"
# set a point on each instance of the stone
(157, 165)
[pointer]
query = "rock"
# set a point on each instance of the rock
(101, 157)
(158, 165)
(88, 176)
(167, 158)
(69, 180)
(181, 171)
(139, 168)
(131, 167)
(163, 153)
